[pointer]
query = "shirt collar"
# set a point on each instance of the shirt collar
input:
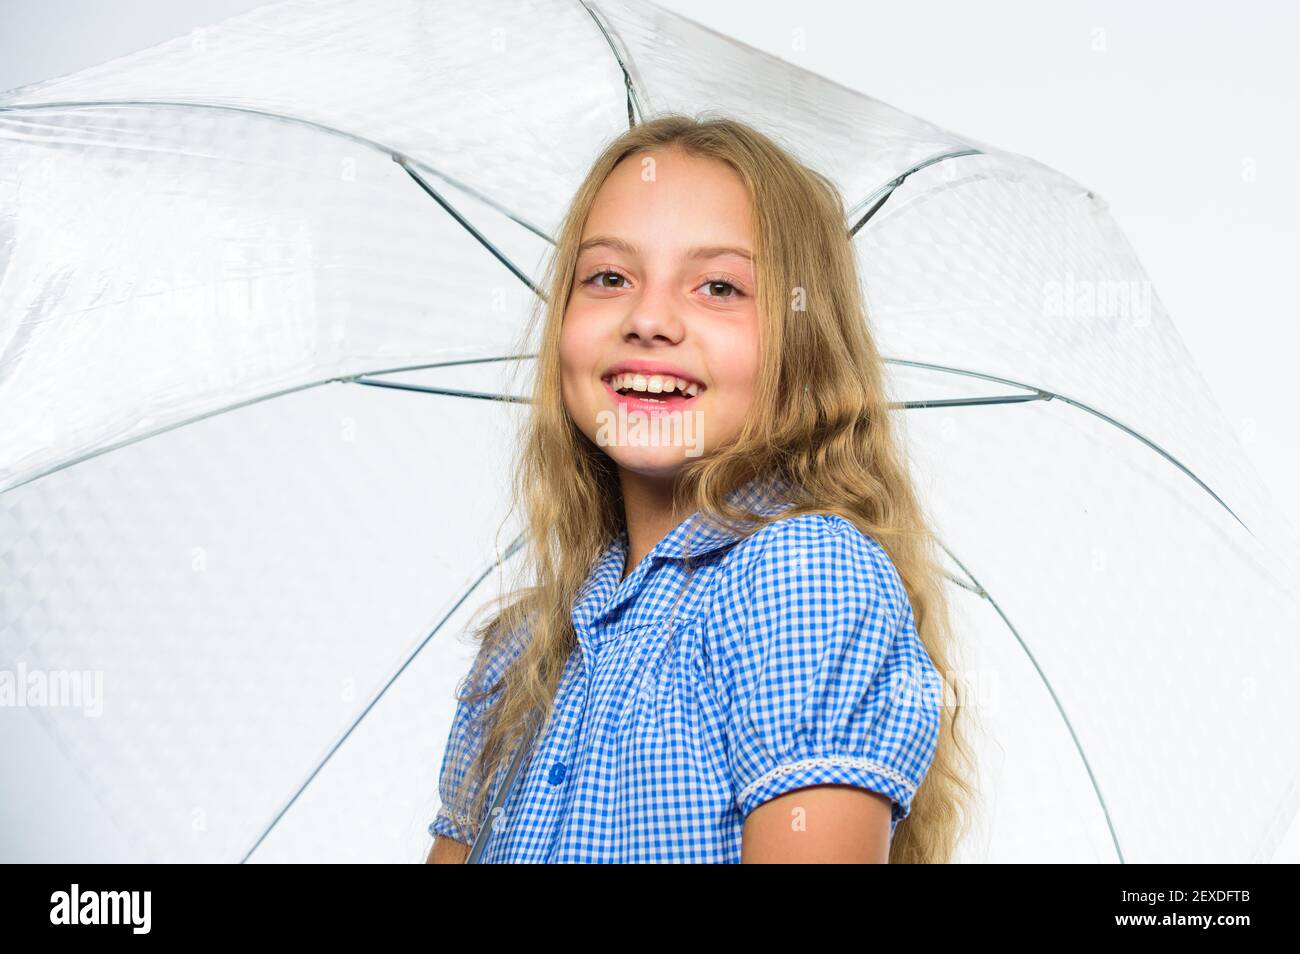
(695, 536)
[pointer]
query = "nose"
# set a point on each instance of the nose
(653, 320)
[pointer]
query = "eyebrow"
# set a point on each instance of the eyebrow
(697, 252)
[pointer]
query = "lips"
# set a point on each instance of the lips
(634, 401)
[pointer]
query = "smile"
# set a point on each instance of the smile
(652, 392)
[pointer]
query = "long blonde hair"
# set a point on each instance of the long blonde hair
(833, 442)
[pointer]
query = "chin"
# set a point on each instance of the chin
(654, 462)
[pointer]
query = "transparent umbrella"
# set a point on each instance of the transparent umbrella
(262, 295)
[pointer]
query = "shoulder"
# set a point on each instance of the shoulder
(495, 654)
(811, 579)
(810, 550)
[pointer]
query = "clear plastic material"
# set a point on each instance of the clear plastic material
(269, 564)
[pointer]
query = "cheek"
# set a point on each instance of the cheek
(571, 344)
(738, 362)
(578, 352)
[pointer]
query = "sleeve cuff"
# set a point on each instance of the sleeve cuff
(451, 825)
(854, 770)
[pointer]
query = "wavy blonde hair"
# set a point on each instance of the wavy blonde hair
(834, 442)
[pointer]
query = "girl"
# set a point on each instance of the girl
(733, 642)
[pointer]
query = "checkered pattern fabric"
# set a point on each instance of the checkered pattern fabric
(790, 659)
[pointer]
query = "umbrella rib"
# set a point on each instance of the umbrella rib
(1047, 683)
(298, 120)
(1057, 396)
(527, 741)
(634, 110)
(970, 402)
(469, 227)
(877, 199)
(456, 362)
(452, 392)
(971, 587)
(344, 379)
(510, 551)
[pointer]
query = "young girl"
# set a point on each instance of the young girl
(734, 640)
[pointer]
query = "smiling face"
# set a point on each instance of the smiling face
(663, 298)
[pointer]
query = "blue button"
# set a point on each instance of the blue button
(556, 775)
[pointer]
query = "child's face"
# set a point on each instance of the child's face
(671, 296)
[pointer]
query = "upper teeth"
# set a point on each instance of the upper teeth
(654, 383)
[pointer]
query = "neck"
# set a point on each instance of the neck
(648, 510)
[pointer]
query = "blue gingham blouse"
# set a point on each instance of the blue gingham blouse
(791, 660)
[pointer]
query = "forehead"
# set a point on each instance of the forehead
(666, 199)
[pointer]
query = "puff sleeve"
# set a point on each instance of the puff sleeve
(468, 729)
(823, 676)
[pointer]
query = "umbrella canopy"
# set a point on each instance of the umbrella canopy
(210, 248)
